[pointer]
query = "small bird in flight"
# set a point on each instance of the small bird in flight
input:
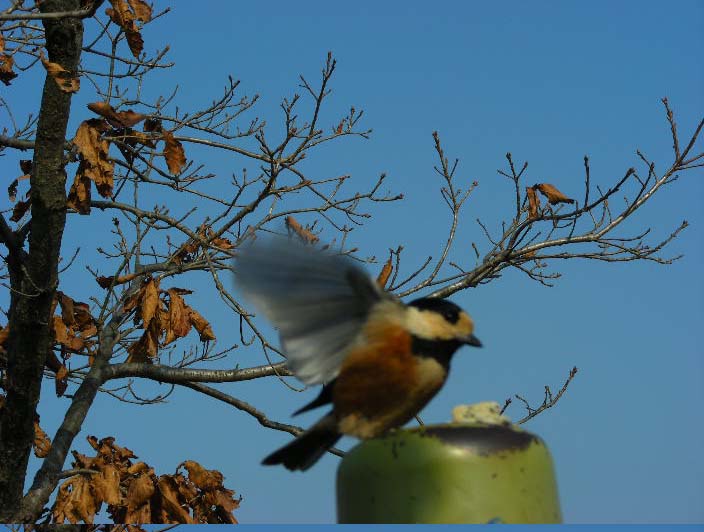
(380, 361)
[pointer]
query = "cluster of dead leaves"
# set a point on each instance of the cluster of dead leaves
(75, 328)
(74, 331)
(66, 81)
(164, 316)
(188, 251)
(92, 142)
(126, 14)
(133, 492)
(94, 165)
(41, 443)
(551, 193)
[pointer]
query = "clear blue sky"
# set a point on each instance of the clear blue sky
(550, 82)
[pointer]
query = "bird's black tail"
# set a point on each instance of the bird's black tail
(307, 448)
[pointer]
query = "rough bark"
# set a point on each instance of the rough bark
(34, 275)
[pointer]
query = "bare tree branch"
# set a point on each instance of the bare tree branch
(249, 409)
(181, 375)
(549, 400)
(86, 12)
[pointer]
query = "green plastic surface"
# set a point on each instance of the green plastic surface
(449, 474)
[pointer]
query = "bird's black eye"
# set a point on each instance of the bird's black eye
(451, 315)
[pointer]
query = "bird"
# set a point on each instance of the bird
(378, 359)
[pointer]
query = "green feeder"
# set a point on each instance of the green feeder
(478, 469)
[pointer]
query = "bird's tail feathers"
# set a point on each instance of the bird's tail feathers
(307, 448)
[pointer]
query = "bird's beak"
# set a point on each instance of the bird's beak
(471, 340)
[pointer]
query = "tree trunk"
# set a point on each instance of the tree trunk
(34, 275)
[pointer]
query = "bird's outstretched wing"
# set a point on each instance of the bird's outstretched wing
(319, 301)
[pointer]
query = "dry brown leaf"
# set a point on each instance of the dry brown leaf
(215, 503)
(105, 110)
(85, 323)
(67, 308)
(61, 381)
(20, 209)
(2, 43)
(303, 233)
(122, 15)
(150, 302)
(84, 462)
(145, 348)
(203, 479)
(138, 468)
(66, 81)
(172, 503)
(66, 336)
(142, 10)
(186, 489)
(60, 331)
(42, 443)
(119, 119)
(94, 443)
(79, 194)
(94, 152)
(178, 324)
(173, 153)
(6, 72)
(553, 195)
(75, 501)
(201, 325)
(384, 274)
(108, 447)
(533, 203)
(107, 484)
(220, 502)
(139, 492)
(141, 489)
(222, 243)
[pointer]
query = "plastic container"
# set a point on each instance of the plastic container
(467, 472)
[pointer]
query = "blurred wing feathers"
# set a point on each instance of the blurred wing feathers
(317, 300)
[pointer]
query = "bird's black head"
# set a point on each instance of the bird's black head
(439, 327)
(447, 309)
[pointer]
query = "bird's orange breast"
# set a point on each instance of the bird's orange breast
(382, 384)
